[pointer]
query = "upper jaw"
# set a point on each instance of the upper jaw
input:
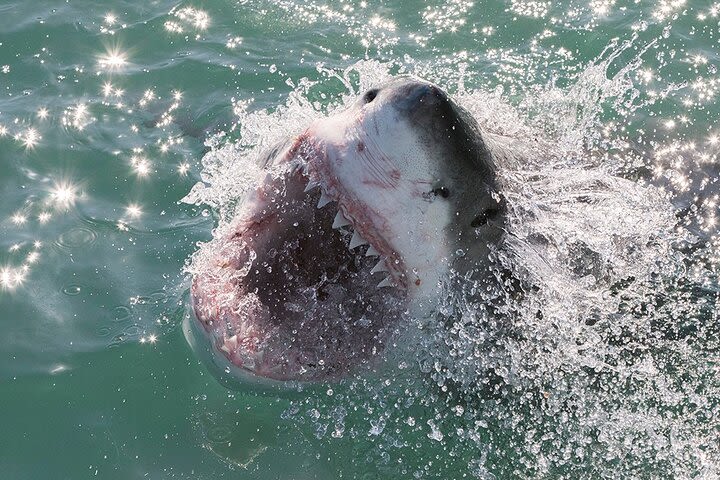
(310, 157)
(413, 258)
(413, 263)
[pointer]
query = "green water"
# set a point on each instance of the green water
(104, 111)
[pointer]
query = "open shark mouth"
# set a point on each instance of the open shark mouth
(304, 285)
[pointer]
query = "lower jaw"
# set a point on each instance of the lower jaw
(223, 370)
(326, 341)
(313, 357)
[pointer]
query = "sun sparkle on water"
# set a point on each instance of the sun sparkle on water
(113, 60)
(188, 17)
(152, 338)
(11, 278)
(77, 117)
(30, 138)
(63, 195)
(107, 89)
(133, 210)
(141, 166)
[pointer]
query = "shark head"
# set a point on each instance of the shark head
(357, 223)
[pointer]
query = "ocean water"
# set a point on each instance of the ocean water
(127, 133)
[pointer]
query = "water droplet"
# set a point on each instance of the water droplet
(71, 290)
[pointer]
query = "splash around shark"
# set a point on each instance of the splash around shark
(357, 224)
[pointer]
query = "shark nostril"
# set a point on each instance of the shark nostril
(441, 192)
(370, 95)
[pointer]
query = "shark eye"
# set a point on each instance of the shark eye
(440, 192)
(370, 95)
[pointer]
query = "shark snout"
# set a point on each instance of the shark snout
(417, 95)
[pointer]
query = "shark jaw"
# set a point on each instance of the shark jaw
(303, 286)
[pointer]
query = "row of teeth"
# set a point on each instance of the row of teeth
(230, 344)
(357, 240)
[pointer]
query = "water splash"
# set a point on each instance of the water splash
(598, 360)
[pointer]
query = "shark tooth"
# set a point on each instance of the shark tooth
(340, 220)
(357, 240)
(231, 343)
(324, 200)
(380, 267)
(259, 356)
(311, 186)
(385, 283)
(372, 252)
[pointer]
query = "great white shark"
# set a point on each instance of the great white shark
(358, 223)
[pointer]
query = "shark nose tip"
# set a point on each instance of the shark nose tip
(424, 93)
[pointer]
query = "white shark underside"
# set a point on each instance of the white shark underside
(356, 224)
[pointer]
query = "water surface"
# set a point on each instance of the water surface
(109, 117)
